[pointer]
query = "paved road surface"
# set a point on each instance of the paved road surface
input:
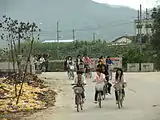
(143, 92)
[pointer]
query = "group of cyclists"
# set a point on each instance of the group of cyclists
(41, 62)
(82, 64)
(103, 75)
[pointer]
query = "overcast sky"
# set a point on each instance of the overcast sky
(131, 3)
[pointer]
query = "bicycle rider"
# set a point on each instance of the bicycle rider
(108, 65)
(101, 65)
(69, 62)
(79, 81)
(119, 83)
(87, 61)
(99, 79)
(79, 62)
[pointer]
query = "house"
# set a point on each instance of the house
(123, 40)
(60, 41)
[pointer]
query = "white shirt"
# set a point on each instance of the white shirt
(41, 60)
(118, 84)
(100, 79)
(79, 61)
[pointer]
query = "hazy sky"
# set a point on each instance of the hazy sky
(131, 3)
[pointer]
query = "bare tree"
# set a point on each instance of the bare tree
(15, 32)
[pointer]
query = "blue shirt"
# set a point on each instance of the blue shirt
(109, 62)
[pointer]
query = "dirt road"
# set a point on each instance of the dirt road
(141, 103)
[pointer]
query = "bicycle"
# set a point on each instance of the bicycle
(120, 98)
(99, 99)
(105, 89)
(99, 89)
(78, 97)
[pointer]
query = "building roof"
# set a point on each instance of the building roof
(128, 37)
(119, 38)
(61, 41)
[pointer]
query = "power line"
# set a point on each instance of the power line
(88, 29)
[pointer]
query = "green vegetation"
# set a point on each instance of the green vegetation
(94, 49)
(156, 36)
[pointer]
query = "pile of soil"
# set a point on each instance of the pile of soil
(31, 79)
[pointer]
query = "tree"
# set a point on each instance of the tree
(156, 35)
(13, 32)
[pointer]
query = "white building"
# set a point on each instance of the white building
(123, 40)
(53, 41)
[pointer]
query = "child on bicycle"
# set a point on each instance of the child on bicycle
(99, 79)
(119, 83)
(79, 81)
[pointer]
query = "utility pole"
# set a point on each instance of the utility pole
(73, 31)
(146, 22)
(147, 25)
(138, 24)
(94, 36)
(140, 30)
(58, 39)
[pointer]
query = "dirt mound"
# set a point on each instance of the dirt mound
(31, 79)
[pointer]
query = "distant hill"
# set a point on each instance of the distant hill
(86, 16)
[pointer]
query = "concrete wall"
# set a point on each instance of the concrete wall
(147, 67)
(8, 67)
(132, 67)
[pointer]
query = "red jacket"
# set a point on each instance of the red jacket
(87, 60)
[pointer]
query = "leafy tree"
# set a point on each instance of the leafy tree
(156, 35)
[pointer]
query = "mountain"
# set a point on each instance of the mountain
(85, 16)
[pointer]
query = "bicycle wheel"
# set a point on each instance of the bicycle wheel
(72, 75)
(104, 92)
(119, 99)
(99, 99)
(81, 102)
(77, 102)
(68, 73)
